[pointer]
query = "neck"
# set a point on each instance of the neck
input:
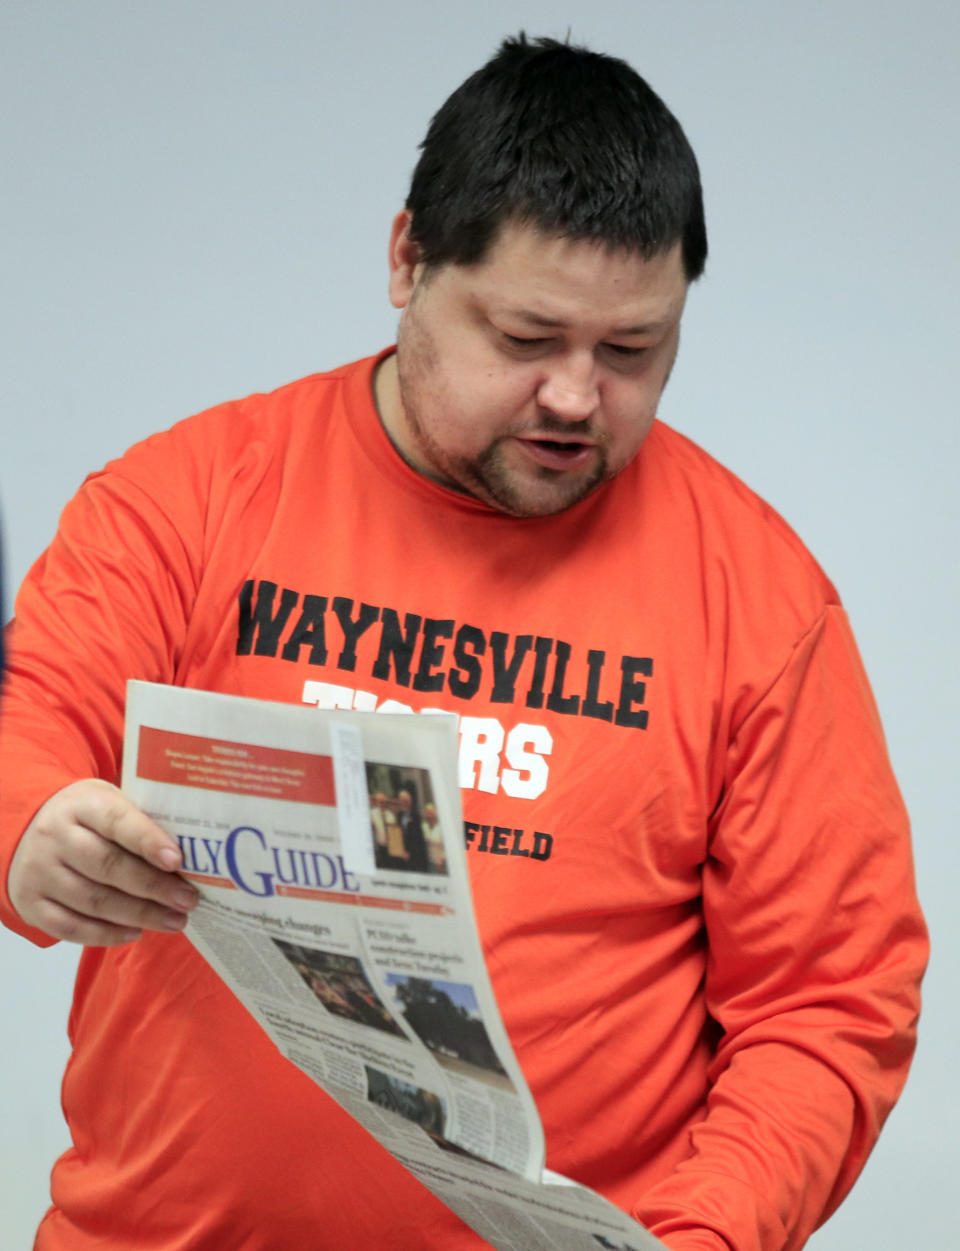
(386, 397)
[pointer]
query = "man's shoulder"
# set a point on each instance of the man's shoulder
(732, 520)
(271, 414)
(258, 426)
(678, 455)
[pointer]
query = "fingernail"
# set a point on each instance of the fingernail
(174, 921)
(185, 899)
(131, 936)
(169, 858)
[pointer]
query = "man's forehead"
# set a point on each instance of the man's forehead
(550, 281)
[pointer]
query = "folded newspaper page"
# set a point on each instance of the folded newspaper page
(335, 903)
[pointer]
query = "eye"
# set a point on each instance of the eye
(621, 349)
(520, 344)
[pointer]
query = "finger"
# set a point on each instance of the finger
(100, 902)
(107, 811)
(105, 864)
(61, 922)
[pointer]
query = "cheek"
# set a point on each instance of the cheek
(492, 401)
(630, 426)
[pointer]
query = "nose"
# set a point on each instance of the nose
(569, 390)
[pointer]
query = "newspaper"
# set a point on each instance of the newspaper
(327, 847)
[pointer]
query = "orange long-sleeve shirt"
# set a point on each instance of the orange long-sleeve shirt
(690, 861)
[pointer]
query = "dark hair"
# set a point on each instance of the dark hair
(568, 140)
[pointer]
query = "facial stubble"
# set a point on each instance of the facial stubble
(486, 476)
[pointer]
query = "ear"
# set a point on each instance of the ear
(404, 260)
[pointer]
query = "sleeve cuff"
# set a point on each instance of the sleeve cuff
(696, 1240)
(699, 1210)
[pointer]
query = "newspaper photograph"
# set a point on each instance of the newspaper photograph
(327, 847)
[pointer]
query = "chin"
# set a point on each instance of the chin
(525, 499)
(521, 493)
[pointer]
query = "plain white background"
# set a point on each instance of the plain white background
(196, 204)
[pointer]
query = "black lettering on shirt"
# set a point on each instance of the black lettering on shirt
(266, 619)
(542, 647)
(260, 622)
(591, 707)
(633, 691)
(504, 672)
(506, 841)
(464, 680)
(308, 632)
(556, 700)
(431, 655)
(352, 628)
(396, 645)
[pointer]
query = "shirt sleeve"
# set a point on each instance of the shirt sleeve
(816, 950)
(109, 599)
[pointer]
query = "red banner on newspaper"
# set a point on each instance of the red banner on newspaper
(238, 768)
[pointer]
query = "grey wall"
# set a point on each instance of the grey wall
(196, 204)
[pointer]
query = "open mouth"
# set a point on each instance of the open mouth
(555, 444)
(556, 453)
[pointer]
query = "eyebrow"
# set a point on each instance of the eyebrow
(554, 323)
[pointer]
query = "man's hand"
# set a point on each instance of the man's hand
(93, 869)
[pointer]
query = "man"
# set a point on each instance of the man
(384, 823)
(411, 826)
(433, 837)
(688, 854)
